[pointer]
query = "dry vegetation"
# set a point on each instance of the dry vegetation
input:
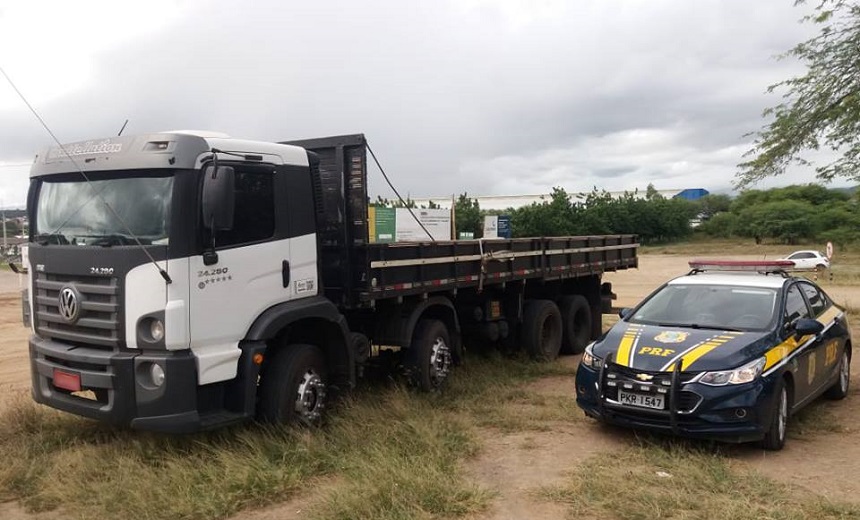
(395, 454)
(683, 481)
(390, 453)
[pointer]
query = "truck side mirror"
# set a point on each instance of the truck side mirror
(218, 197)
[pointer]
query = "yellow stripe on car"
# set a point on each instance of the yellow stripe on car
(625, 347)
(707, 346)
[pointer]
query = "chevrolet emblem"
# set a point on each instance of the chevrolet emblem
(644, 377)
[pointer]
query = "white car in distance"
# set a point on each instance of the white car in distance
(809, 260)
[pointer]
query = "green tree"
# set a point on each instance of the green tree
(469, 215)
(821, 109)
(723, 225)
(549, 218)
(788, 221)
(710, 205)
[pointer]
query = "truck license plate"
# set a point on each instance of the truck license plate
(641, 400)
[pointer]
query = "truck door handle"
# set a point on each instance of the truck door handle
(285, 273)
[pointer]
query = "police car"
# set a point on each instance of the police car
(728, 352)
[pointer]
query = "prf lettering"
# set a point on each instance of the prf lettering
(656, 351)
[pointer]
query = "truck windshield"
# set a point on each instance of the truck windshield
(74, 213)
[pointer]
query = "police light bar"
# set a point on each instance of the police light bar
(761, 266)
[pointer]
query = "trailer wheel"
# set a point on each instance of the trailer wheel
(542, 329)
(293, 386)
(429, 358)
(576, 324)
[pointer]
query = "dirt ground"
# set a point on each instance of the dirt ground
(515, 465)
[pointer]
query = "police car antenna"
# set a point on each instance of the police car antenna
(96, 193)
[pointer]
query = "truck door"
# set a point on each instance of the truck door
(254, 271)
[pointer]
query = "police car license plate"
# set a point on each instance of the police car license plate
(641, 400)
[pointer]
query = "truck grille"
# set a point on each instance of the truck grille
(98, 320)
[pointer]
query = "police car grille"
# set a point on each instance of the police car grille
(98, 323)
(657, 378)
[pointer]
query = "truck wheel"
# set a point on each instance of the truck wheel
(542, 329)
(576, 324)
(428, 359)
(774, 439)
(839, 390)
(293, 386)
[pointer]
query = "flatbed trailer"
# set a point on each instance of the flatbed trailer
(402, 269)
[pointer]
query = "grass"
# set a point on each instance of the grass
(390, 452)
(680, 481)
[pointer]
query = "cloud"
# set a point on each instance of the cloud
(489, 97)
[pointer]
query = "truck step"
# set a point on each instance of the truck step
(220, 418)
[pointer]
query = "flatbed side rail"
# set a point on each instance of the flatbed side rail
(410, 268)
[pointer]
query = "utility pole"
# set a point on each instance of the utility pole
(5, 245)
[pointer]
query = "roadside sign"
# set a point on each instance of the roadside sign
(829, 250)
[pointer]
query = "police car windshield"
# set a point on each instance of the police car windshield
(721, 307)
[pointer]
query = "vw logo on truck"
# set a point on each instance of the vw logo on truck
(69, 306)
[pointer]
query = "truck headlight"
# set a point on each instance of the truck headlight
(589, 359)
(150, 329)
(156, 329)
(737, 376)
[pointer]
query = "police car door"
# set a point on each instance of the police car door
(826, 350)
(805, 364)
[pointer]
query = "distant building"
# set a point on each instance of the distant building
(501, 202)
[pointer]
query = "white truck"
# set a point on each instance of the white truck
(184, 281)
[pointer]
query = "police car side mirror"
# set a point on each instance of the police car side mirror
(807, 326)
(623, 313)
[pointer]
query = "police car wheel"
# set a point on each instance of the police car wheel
(839, 390)
(774, 439)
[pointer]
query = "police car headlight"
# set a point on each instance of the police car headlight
(740, 375)
(589, 359)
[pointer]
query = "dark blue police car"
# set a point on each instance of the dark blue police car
(727, 352)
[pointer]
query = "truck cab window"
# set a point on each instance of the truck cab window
(254, 213)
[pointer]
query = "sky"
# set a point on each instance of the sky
(489, 97)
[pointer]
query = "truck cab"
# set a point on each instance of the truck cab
(156, 287)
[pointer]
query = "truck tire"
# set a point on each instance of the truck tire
(293, 386)
(542, 329)
(576, 324)
(429, 357)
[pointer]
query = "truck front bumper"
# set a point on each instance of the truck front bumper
(117, 386)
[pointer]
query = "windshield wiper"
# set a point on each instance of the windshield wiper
(700, 326)
(113, 239)
(44, 239)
